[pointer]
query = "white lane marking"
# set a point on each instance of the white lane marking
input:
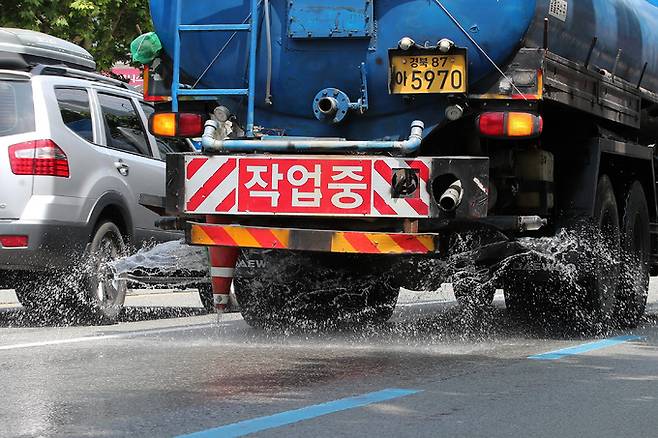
(105, 337)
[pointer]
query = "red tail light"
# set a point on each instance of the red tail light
(38, 157)
(13, 241)
(492, 124)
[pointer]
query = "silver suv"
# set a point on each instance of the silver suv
(75, 156)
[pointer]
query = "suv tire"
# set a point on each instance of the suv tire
(101, 296)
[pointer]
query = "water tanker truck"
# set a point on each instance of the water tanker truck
(349, 144)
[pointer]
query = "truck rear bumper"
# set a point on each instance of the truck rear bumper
(350, 186)
(311, 240)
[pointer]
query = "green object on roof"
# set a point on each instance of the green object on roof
(145, 48)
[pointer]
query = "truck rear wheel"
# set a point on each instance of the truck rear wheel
(634, 279)
(206, 297)
(599, 262)
(278, 289)
(588, 300)
(474, 291)
(583, 296)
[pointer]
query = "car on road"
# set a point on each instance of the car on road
(75, 156)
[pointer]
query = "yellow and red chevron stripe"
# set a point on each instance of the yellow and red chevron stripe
(311, 240)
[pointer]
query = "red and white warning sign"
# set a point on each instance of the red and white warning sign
(308, 186)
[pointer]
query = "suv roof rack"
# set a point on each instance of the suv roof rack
(53, 70)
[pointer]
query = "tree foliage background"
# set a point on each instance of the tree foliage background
(104, 27)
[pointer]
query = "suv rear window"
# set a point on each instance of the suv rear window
(16, 108)
(74, 107)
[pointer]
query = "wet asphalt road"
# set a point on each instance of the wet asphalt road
(160, 376)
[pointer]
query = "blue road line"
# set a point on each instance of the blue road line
(254, 425)
(584, 348)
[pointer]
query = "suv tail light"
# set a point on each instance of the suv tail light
(510, 124)
(11, 241)
(176, 124)
(38, 157)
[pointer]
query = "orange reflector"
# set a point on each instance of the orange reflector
(163, 124)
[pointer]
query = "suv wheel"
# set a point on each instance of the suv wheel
(102, 296)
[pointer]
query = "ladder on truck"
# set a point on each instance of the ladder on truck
(249, 25)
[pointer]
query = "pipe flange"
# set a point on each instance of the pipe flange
(331, 105)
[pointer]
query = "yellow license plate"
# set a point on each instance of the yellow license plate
(427, 73)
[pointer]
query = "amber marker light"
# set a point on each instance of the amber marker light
(163, 124)
(520, 125)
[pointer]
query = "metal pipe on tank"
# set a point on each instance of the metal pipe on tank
(305, 145)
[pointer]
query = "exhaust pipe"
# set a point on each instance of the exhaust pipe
(451, 198)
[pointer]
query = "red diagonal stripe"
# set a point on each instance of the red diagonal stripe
(409, 243)
(361, 243)
(384, 170)
(215, 180)
(418, 205)
(228, 203)
(423, 170)
(382, 206)
(266, 238)
(193, 166)
(219, 236)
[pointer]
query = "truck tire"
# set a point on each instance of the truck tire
(474, 291)
(278, 289)
(586, 301)
(634, 278)
(588, 304)
(517, 302)
(206, 297)
(100, 296)
(600, 264)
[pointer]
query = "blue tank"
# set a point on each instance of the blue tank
(311, 54)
